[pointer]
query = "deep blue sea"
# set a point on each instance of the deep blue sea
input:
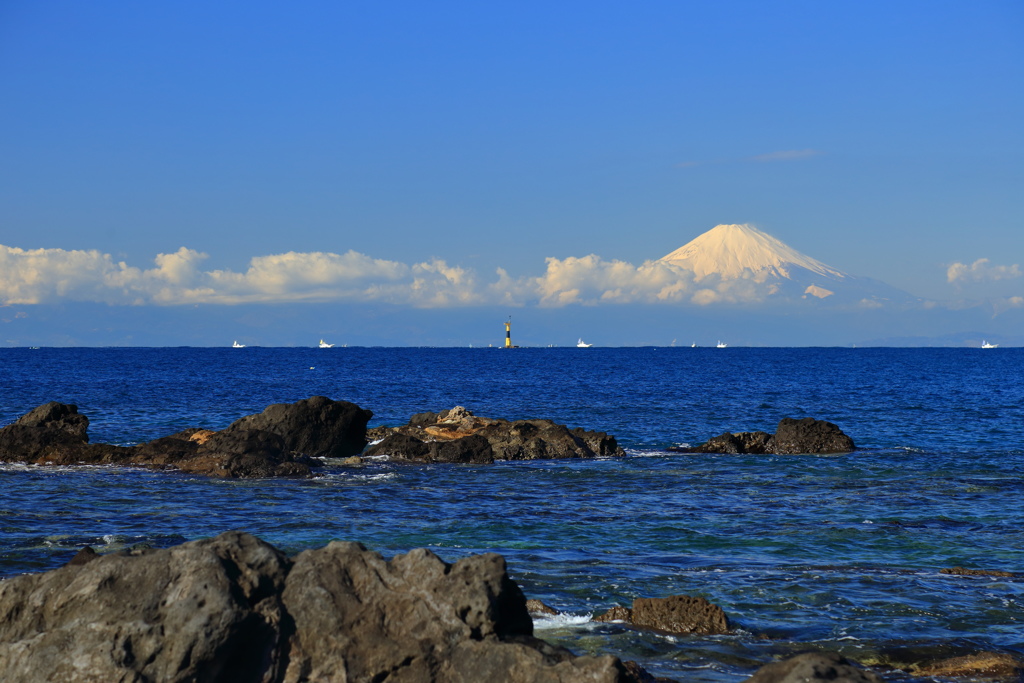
(803, 552)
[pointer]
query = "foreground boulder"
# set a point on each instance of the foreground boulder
(792, 437)
(285, 440)
(813, 666)
(675, 614)
(235, 608)
(457, 435)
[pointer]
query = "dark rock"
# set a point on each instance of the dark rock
(813, 666)
(810, 436)
(741, 442)
(806, 436)
(641, 675)
(457, 434)
(674, 614)
(83, 556)
(234, 608)
(46, 431)
(316, 426)
(206, 610)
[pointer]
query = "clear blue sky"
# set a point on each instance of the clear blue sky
(883, 138)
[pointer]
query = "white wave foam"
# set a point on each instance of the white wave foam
(560, 620)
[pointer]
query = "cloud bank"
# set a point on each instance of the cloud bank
(38, 276)
(42, 276)
(981, 271)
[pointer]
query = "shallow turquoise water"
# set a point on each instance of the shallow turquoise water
(841, 552)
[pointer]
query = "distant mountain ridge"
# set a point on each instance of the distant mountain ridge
(742, 252)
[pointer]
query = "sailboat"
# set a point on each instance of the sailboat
(582, 344)
(325, 345)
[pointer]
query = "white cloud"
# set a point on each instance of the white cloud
(46, 275)
(980, 271)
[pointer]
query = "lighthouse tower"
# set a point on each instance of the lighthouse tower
(508, 333)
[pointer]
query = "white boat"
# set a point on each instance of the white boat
(236, 345)
(986, 345)
(721, 345)
(325, 345)
(582, 344)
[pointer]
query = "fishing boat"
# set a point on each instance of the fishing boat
(325, 345)
(721, 345)
(236, 345)
(582, 344)
(986, 345)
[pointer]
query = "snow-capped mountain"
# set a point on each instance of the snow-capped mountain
(729, 253)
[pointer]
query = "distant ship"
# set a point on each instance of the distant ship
(238, 346)
(325, 345)
(986, 345)
(721, 345)
(582, 344)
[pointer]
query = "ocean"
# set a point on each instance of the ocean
(838, 552)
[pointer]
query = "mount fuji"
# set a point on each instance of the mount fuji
(731, 254)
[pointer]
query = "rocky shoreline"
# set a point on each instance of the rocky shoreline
(234, 607)
(291, 440)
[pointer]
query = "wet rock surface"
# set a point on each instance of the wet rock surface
(791, 437)
(457, 435)
(682, 614)
(235, 608)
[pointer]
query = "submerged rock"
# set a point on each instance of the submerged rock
(792, 437)
(457, 435)
(235, 608)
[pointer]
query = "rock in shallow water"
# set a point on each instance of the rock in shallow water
(456, 435)
(791, 437)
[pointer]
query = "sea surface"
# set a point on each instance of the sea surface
(838, 552)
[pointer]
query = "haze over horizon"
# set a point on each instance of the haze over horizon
(412, 175)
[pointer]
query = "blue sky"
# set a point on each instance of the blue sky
(418, 148)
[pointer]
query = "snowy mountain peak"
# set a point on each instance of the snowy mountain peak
(730, 250)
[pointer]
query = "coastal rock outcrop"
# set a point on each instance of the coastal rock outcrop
(675, 614)
(235, 608)
(791, 437)
(285, 440)
(457, 435)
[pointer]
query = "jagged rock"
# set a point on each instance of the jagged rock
(791, 437)
(235, 608)
(317, 427)
(282, 441)
(205, 610)
(470, 449)
(813, 666)
(674, 614)
(455, 435)
(810, 436)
